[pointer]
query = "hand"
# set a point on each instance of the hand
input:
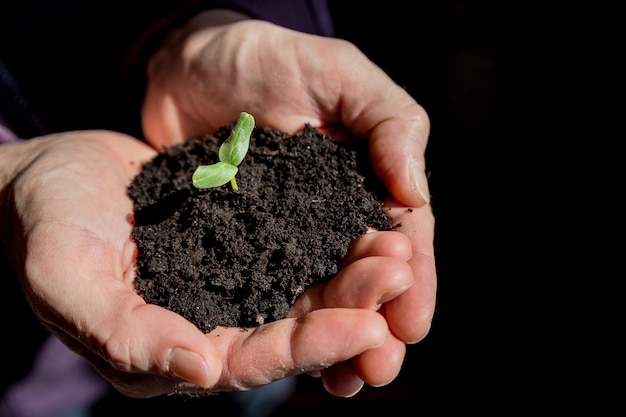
(206, 74)
(68, 235)
(203, 77)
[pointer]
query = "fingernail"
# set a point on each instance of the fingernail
(357, 390)
(420, 182)
(189, 366)
(422, 337)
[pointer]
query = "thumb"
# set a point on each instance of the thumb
(150, 351)
(397, 148)
(376, 109)
(172, 346)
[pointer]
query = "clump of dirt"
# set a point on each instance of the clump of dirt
(220, 257)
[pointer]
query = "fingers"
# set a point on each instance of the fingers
(307, 344)
(383, 243)
(372, 291)
(376, 272)
(148, 351)
(366, 283)
(375, 367)
(342, 380)
(380, 366)
(420, 298)
(158, 341)
(255, 357)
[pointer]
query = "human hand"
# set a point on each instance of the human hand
(67, 231)
(205, 75)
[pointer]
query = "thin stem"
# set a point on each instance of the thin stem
(233, 183)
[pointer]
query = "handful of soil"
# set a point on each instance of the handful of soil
(220, 257)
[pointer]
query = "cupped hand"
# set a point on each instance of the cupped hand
(206, 74)
(68, 235)
(203, 77)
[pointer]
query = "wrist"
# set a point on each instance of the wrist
(206, 19)
(213, 17)
(170, 29)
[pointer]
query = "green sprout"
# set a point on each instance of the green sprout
(231, 153)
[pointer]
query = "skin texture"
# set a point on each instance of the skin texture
(70, 220)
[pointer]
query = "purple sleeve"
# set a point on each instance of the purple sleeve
(311, 16)
(6, 134)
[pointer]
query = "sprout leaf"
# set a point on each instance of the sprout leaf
(215, 175)
(231, 154)
(234, 149)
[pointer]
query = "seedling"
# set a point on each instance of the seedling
(231, 153)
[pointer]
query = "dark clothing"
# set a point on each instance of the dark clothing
(74, 64)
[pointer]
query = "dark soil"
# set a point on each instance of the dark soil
(240, 258)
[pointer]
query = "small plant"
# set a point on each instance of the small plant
(231, 153)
